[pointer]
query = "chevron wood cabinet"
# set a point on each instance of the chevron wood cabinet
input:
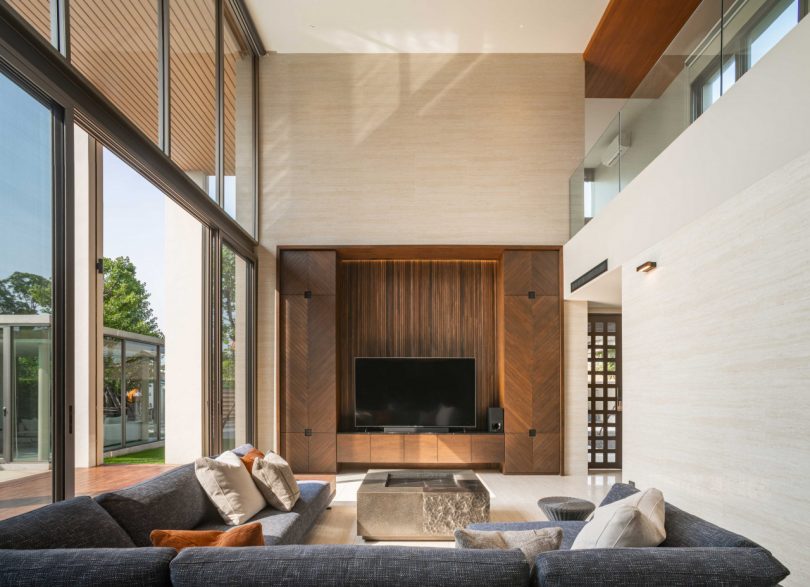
(532, 361)
(308, 401)
(501, 305)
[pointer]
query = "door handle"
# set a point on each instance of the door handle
(5, 411)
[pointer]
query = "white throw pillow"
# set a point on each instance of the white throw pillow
(635, 521)
(274, 478)
(230, 487)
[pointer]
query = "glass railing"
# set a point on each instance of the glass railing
(720, 42)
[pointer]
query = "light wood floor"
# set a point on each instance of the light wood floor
(513, 498)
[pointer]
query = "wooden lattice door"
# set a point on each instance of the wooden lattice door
(605, 391)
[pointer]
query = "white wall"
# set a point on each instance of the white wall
(717, 364)
(576, 388)
(410, 149)
(760, 124)
(183, 333)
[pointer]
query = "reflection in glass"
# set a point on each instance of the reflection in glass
(115, 45)
(234, 407)
(192, 66)
(112, 393)
(140, 392)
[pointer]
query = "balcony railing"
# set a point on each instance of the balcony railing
(721, 41)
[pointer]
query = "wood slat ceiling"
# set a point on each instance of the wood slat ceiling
(628, 41)
(115, 45)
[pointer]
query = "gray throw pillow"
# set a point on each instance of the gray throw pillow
(530, 542)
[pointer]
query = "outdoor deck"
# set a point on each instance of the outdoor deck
(18, 496)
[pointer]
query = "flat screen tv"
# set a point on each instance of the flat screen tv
(414, 392)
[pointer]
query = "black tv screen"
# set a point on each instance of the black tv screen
(414, 392)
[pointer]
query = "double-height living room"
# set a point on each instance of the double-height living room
(430, 294)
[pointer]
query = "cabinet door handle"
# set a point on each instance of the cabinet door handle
(532, 432)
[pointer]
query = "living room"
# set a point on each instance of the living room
(501, 291)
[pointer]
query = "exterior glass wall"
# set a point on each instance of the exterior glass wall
(239, 172)
(193, 100)
(115, 45)
(26, 277)
(37, 13)
(234, 320)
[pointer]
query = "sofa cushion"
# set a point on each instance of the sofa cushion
(687, 530)
(682, 528)
(634, 521)
(75, 523)
(675, 567)
(245, 535)
(229, 487)
(171, 500)
(530, 542)
(276, 482)
(617, 492)
(349, 566)
(288, 527)
(99, 567)
(570, 528)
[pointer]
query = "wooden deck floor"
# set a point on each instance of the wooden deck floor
(27, 493)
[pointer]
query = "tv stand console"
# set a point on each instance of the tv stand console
(402, 450)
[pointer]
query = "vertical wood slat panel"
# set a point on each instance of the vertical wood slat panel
(419, 308)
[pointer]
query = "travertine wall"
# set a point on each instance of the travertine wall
(716, 366)
(404, 149)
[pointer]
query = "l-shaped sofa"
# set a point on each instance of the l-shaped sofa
(105, 542)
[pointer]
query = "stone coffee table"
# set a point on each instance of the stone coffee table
(419, 505)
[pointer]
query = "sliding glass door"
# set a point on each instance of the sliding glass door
(26, 302)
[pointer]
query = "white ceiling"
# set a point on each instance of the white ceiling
(426, 26)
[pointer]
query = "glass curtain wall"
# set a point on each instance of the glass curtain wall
(115, 45)
(193, 100)
(235, 397)
(26, 301)
(37, 13)
(238, 137)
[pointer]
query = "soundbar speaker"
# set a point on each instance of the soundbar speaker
(495, 419)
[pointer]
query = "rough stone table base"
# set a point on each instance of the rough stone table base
(419, 505)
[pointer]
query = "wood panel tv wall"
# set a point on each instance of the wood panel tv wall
(501, 306)
(430, 308)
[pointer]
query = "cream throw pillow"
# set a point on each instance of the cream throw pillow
(274, 478)
(530, 542)
(229, 487)
(635, 521)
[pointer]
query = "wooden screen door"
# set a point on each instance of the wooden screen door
(605, 391)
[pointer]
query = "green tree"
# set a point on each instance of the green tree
(126, 300)
(25, 293)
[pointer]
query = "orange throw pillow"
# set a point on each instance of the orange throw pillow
(250, 457)
(247, 535)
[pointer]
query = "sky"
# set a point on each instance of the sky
(134, 226)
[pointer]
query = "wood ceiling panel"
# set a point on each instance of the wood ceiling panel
(115, 45)
(627, 42)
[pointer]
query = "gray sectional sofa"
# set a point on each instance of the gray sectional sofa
(104, 542)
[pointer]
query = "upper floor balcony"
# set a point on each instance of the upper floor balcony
(720, 42)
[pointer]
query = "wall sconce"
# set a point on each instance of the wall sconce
(647, 267)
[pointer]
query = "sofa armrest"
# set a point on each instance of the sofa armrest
(728, 567)
(100, 567)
